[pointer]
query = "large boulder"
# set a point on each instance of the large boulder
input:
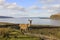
(55, 16)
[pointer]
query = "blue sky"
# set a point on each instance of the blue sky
(29, 8)
(25, 3)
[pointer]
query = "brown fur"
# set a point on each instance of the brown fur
(24, 26)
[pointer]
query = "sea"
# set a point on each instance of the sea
(36, 21)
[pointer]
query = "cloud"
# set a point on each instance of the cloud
(11, 6)
(49, 1)
(44, 7)
(14, 6)
(51, 8)
(2, 2)
(11, 9)
(56, 6)
(50, 11)
(46, 1)
(47, 8)
(34, 7)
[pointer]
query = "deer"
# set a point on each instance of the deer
(24, 27)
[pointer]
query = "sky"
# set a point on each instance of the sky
(29, 8)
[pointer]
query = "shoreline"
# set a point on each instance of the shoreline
(32, 25)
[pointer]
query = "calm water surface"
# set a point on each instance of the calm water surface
(34, 21)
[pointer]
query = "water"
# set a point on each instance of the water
(34, 21)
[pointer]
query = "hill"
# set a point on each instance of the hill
(5, 17)
(55, 16)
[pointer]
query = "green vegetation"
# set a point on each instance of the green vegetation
(16, 34)
(47, 31)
